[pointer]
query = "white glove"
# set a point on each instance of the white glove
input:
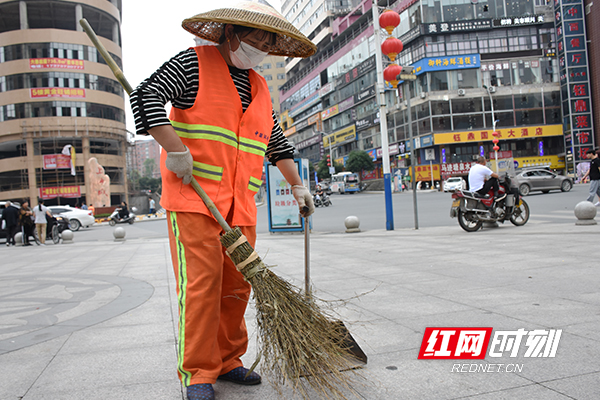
(304, 199)
(181, 163)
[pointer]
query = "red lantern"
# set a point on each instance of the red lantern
(391, 47)
(495, 140)
(391, 72)
(495, 133)
(388, 20)
(496, 148)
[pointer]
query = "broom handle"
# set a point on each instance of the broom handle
(123, 81)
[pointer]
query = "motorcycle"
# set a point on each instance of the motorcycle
(55, 226)
(322, 200)
(115, 218)
(472, 209)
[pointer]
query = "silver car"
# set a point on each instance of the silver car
(531, 180)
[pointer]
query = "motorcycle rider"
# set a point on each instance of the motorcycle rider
(123, 211)
(319, 193)
(479, 181)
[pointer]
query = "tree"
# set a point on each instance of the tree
(323, 169)
(359, 160)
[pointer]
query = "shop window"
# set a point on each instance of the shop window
(466, 105)
(441, 124)
(440, 107)
(439, 81)
(553, 116)
(467, 122)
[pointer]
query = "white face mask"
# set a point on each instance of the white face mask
(246, 56)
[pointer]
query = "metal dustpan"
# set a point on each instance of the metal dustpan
(356, 357)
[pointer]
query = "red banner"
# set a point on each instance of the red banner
(56, 92)
(63, 63)
(56, 161)
(62, 191)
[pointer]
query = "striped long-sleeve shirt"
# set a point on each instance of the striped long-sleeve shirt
(177, 81)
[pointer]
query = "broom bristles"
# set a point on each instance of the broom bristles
(297, 340)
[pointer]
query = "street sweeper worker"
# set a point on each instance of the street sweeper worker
(220, 128)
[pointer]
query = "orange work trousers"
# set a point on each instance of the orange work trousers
(212, 297)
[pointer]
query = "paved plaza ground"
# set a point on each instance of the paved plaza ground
(97, 320)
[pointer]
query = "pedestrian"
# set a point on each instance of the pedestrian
(594, 174)
(92, 209)
(26, 221)
(84, 206)
(152, 206)
(39, 213)
(10, 216)
(222, 126)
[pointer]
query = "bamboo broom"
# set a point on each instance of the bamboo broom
(300, 346)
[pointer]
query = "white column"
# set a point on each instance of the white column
(78, 17)
(23, 15)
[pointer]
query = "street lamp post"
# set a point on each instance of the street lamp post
(406, 76)
(494, 121)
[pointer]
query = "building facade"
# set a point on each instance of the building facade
(479, 66)
(55, 91)
(139, 153)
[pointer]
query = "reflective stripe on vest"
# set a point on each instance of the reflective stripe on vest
(254, 184)
(218, 134)
(208, 171)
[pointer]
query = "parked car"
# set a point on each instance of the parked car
(77, 218)
(454, 183)
(541, 179)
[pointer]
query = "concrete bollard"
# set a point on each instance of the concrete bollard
(352, 224)
(119, 234)
(585, 212)
(67, 236)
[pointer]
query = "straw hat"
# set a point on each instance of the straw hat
(290, 41)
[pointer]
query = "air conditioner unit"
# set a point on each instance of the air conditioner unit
(492, 89)
(462, 92)
(423, 95)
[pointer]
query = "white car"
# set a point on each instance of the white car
(454, 183)
(77, 217)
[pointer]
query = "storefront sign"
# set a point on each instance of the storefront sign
(340, 137)
(365, 94)
(301, 125)
(56, 161)
(518, 21)
(308, 142)
(330, 112)
(354, 73)
(569, 22)
(346, 104)
(56, 92)
(528, 132)
(326, 89)
(290, 131)
(314, 119)
(554, 162)
(457, 26)
(456, 168)
(392, 148)
(62, 191)
(62, 63)
(446, 63)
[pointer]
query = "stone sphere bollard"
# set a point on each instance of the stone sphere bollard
(67, 236)
(585, 212)
(119, 234)
(352, 223)
(18, 239)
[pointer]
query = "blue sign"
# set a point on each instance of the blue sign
(447, 63)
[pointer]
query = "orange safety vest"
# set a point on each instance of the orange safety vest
(228, 145)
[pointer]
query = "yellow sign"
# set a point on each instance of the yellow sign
(340, 137)
(285, 118)
(423, 172)
(554, 162)
(330, 112)
(526, 132)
